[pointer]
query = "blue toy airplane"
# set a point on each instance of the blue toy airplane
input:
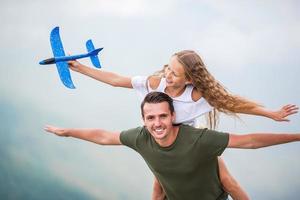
(61, 60)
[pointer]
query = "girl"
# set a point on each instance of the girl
(195, 92)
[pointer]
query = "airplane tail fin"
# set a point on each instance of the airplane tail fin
(93, 53)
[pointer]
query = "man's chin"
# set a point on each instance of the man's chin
(159, 136)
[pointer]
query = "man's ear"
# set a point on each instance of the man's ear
(143, 118)
(173, 117)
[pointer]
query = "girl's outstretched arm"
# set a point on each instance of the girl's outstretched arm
(110, 78)
(277, 115)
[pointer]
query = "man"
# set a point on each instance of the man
(183, 158)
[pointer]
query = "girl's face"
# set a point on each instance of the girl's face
(175, 75)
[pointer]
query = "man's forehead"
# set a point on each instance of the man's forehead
(156, 108)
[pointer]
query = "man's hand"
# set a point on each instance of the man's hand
(55, 130)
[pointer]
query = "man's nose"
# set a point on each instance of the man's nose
(157, 122)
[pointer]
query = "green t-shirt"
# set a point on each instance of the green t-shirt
(187, 169)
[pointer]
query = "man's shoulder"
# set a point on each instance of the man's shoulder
(134, 137)
(201, 132)
(133, 131)
(191, 129)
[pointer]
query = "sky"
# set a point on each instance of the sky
(251, 47)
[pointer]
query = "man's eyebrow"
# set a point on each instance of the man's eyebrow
(164, 114)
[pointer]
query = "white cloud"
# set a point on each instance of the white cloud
(123, 8)
(246, 33)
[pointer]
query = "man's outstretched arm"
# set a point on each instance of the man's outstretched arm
(98, 136)
(258, 140)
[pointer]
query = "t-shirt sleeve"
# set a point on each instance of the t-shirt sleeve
(214, 142)
(139, 84)
(129, 137)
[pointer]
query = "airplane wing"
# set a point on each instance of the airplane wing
(58, 50)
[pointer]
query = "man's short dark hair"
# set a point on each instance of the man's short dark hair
(157, 97)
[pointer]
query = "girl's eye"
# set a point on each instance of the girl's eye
(174, 74)
(168, 69)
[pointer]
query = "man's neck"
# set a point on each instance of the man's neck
(168, 141)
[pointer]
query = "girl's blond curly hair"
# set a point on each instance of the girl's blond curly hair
(215, 94)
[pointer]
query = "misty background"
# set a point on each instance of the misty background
(251, 47)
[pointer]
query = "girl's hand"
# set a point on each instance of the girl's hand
(75, 65)
(284, 112)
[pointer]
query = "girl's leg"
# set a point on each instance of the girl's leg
(158, 192)
(230, 185)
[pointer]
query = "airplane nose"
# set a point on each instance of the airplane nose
(48, 61)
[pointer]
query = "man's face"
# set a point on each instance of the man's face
(158, 120)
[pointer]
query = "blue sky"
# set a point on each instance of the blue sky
(251, 47)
